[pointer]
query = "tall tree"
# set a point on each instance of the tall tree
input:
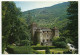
(14, 28)
(73, 24)
(9, 19)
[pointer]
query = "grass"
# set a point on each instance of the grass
(19, 49)
(55, 50)
(24, 50)
(42, 47)
(42, 52)
(58, 50)
(52, 49)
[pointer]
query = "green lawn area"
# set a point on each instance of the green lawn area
(42, 47)
(52, 49)
(55, 50)
(58, 50)
(18, 49)
(24, 50)
(42, 52)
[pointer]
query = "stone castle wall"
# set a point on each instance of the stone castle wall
(44, 35)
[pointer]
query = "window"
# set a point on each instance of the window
(47, 40)
(43, 31)
(43, 40)
(47, 35)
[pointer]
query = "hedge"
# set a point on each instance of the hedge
(42, 47)
(21, 50)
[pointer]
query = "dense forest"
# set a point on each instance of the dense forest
(57, 15)
(14, 28)
(16, 25)
(48, 15)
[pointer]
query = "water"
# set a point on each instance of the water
(71, 47)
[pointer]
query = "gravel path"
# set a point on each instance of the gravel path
(5, 52)
(40, 50)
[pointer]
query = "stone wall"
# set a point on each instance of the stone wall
(44, 35)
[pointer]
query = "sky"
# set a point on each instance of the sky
(29, 5)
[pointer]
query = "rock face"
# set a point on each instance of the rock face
(44, 35)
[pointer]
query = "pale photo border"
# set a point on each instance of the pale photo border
(40, 54)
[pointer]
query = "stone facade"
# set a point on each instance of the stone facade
(44, 35)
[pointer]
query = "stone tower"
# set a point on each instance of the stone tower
(33, 29)
(55, 32)
(39, 35)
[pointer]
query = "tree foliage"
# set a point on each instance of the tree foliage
(14, 27)
(73, 22)
(59, 42)
(9, 22)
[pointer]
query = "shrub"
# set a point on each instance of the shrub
(67, 52)
(10, 50)
(47, 50)
(42, 47)
(68, 40)
(19, 50)
(55, 38)
(59, 42)
(23, 42)
(38, 45)
(3, 43)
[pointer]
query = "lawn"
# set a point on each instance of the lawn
(18, 49)
(40, 49)
(42, 52)
(55, 50)
(58, 50)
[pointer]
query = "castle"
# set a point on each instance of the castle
(43, 35)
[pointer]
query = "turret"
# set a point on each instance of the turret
(33, 29)
(39, 35)
(55, 32)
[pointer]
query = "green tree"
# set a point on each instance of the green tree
(14, 28)
(9, 18)
(59, 42)
(73, 22)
